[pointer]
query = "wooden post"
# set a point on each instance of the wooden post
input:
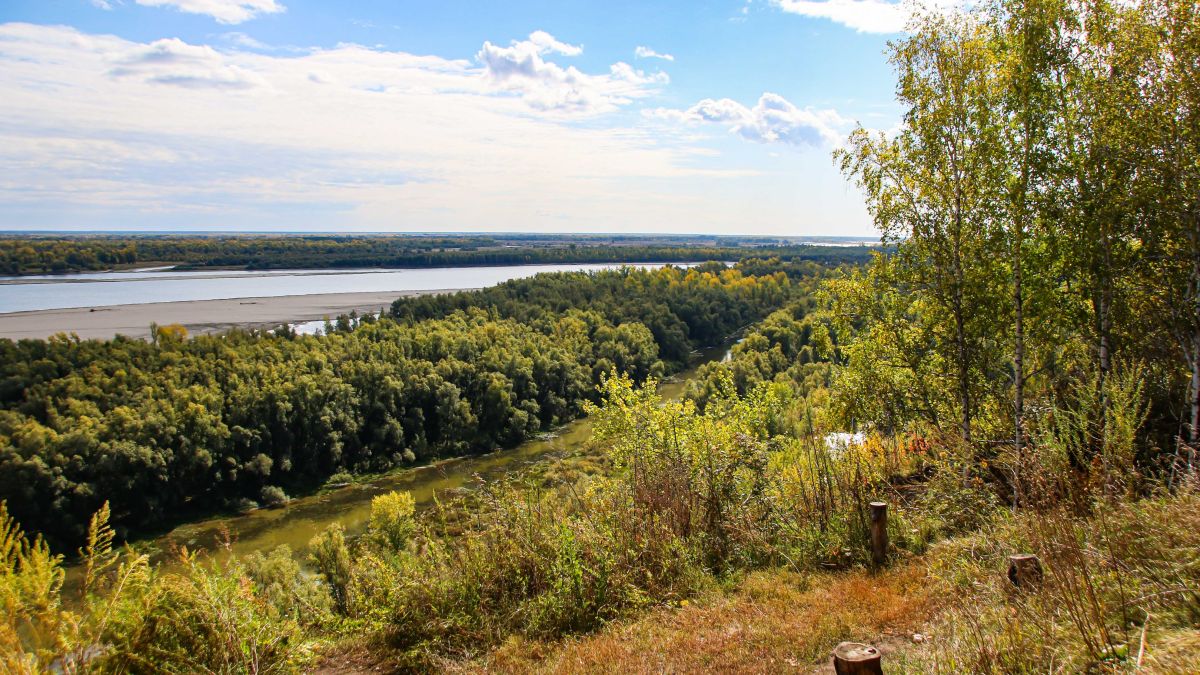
(879, 536)
(856, 658)
(1025, 571)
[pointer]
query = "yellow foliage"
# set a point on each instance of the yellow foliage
(392, 518)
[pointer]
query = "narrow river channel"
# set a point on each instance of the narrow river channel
(304, 517)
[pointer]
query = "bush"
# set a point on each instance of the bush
(703, 477)
(329, 555)
(243, 505)
(204, 618)
(273, 497)
(130, 617)
(289, 593)
(391, 521)
(528, 563)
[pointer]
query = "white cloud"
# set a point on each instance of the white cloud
(102, 4)
(648, 53)
(175, 62)
(224, 11)
(545, 42)
(245, 41)
(624, 72)
(773, 119)
(101, 131)
(521, 68)
(866, 16)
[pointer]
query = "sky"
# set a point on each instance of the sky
(689, 116)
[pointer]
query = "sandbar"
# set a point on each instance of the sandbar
(198, 316)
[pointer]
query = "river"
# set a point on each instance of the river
(304, 517)
(154, 285)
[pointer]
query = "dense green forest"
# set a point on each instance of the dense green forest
(678, 317)
(792, 346)
(185, 425)
(57, 254)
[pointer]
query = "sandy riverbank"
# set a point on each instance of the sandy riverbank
(199, 316)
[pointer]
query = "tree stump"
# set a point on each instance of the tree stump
(1025, 571)
(856, 658)
(879, 536)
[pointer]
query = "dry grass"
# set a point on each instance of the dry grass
(354, 659)
(1122, 588)
(773, 621)
(1174, 654)
(1141, 556)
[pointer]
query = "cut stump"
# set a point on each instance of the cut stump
(1025, 571)
(856, 658)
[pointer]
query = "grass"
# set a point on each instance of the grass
(1122, 594)
(772, 620)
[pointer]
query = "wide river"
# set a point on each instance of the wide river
(137, 287)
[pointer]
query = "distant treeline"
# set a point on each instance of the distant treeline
(679, 318)
(182, 426)
(43, 255)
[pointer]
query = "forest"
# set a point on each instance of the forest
(1015, 378)
(792, 346)
(186, 425)
(46, 254)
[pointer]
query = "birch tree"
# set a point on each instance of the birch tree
(1166, 51)
(932, 191)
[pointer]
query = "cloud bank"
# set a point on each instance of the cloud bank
(101, 131)
(175, 62)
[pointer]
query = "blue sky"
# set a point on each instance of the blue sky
(693, 116)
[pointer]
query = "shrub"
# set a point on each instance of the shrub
(391, 521)
(329, 555)
(289, 593)
(203, 618)
(35, 631)
(702, 476)
(528, 563)
(130, 617)
(273, 497)
(243, 505)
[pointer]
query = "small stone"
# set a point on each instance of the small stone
(918, 638)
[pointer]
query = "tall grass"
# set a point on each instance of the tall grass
(1112, 591)
(1120, 552)
(131, 617)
